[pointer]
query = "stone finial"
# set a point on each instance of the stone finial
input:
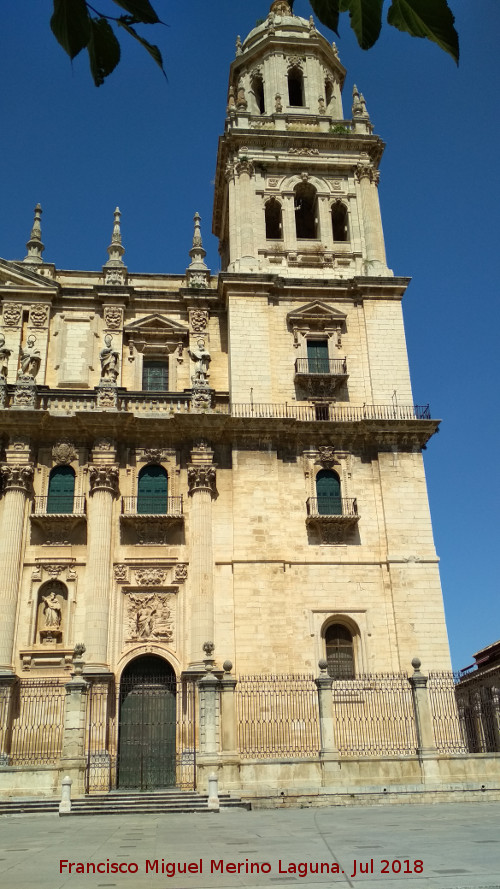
(197, 273)
(358, 104)
(239, 49)
(34, 245)
(115, 269)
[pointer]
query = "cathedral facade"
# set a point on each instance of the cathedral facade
(216, 476)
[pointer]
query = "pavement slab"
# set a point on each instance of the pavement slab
(440, 846)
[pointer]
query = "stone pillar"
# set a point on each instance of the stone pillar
(229, 740)
(75, 711)
(201, 481)
(103, 489)
(423, 716)
(7, 684)
(324, 683)
(245, 171)
(375, 258)
(16, 478)
(209, 711)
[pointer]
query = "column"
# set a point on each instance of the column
(324, 684)
(16, 478)
(228, 684)
(201, 481)
(103, 489)
(244, 171)
(423, 714)
(72, 761)
(375, 258)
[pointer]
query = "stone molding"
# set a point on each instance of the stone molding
(103, 478)
(17, 477)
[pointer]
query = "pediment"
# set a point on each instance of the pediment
(15, 276)
(316, 314)
(155, 327)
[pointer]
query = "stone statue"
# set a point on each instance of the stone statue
(4, 358)
(30, 359)
(202, 359)
(145, 621)
(51, 610)
(109, 359)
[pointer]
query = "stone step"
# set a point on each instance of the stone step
(117, 803)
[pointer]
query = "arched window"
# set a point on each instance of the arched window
(155, 376)
(306, 211)
(274, 231)
(258, 91)
(295, 88)
(339, 652)
(152, 491)
(328, 92)
(328, 493)
(340, 222)
(61, 492)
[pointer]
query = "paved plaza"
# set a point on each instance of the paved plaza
(448, 846)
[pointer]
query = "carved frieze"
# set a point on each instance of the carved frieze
(181, 572)
(295, 61)
(17, 477)
(153, 532)
(39, 315)
(113, 318)
(64, 452)
(150, 576)
(156, 455)
(121, 573)
(25, 394)
(12, 314)
(198, 320)
(103, 478)
(150, 616)
(107, 397)
(104, 444)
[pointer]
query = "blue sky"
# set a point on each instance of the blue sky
(150, 147)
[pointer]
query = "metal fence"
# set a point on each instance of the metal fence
(37, 722)
(478, 704)
(373, 715)
(277, 716)
(448, 729)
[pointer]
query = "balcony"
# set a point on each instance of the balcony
(320, 377)
(333, 518)
(57, 517)
(151, 518)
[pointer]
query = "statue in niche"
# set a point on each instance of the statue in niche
(51, 611)
(109, 359)
(4, 358)
(30, 359)
(202, 360)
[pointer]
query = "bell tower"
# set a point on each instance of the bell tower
(297, 182)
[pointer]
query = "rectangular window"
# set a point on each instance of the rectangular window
(155, 376)
(317, 357)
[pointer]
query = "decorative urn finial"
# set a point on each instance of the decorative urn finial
(197, 272)
(115, 269)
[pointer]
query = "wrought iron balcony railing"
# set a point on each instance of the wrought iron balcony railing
(341, 507)
(333, 367)
(62, 505)
(158, 505)
(343, 413)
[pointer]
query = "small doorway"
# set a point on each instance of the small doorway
(147, 725)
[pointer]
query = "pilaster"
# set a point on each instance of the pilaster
(201, 481)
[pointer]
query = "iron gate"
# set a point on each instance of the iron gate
(143, 736)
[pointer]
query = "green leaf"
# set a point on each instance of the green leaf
(366, 19)
(426, 18)
(327, 12)
(153, 51)
(103, 49)
(70, 25)
(140, 9)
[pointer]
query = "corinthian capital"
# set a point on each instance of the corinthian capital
(17, 476)
(103, 478)
(244, 165)
(202, 478)
(366, 171)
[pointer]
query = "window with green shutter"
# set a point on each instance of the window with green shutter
(61, 490)
(328, 493)
(155, 376)
(152, 491)
(317, 357)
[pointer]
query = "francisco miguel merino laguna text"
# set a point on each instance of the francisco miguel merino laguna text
(300, 868)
